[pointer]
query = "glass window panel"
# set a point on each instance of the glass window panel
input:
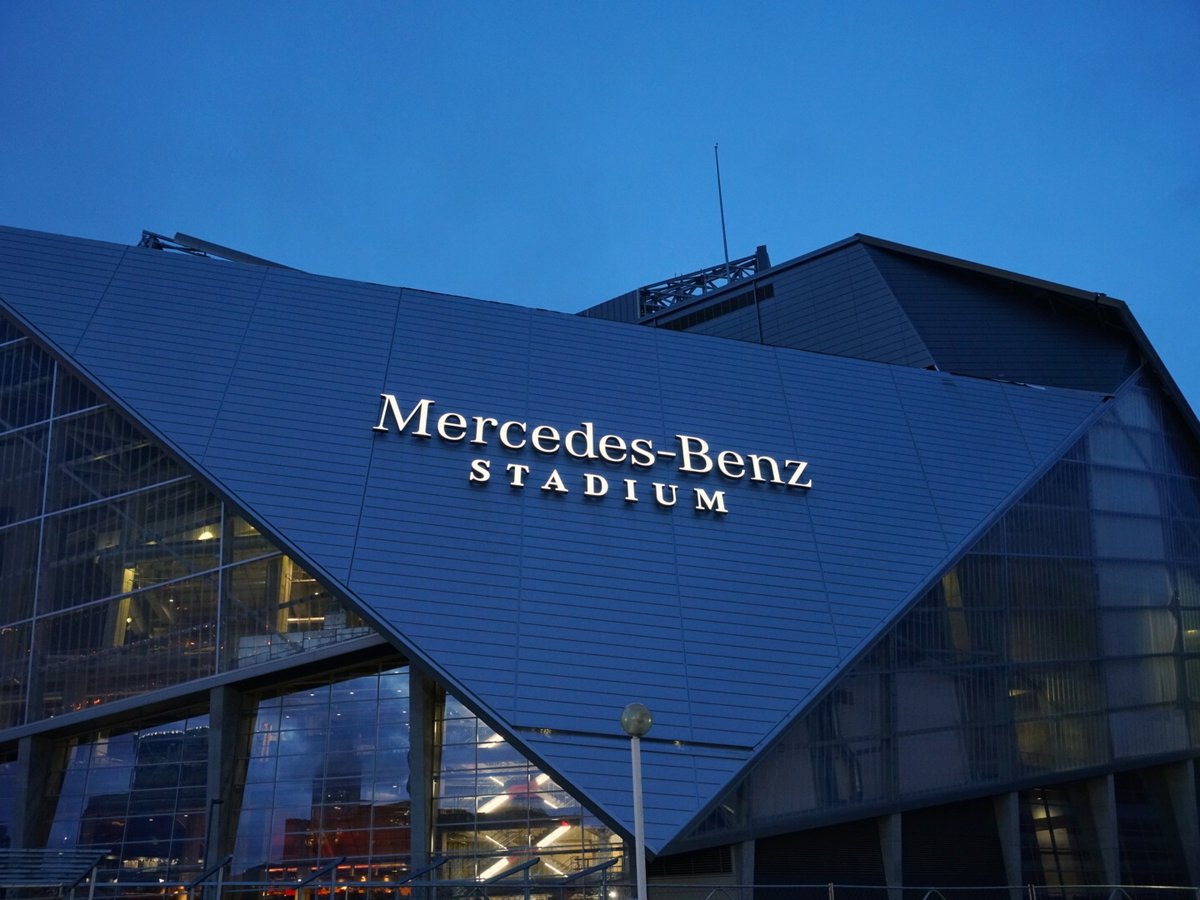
(1140, 632)
(1128, 537)
(157, 829)
(1141, 682)
(73, 394)
(326, 800)
(18, 560)
(22, 473)
(1116, 490)
(125, 646)
(246, 541)
(1125, 447)
(99, 455)
(14, 671)
(26, 377)
(126, 544)
(274, 609)
(1132, 584)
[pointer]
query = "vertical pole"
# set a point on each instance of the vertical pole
(721, 202)
(639, 825)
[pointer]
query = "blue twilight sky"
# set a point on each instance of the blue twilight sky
(557, 154)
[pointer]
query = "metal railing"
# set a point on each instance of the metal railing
(595, 884)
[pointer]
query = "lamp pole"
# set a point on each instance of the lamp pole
(636, 721)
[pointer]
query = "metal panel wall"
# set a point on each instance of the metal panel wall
(549, 610)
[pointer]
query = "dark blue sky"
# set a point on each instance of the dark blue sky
(557, 154)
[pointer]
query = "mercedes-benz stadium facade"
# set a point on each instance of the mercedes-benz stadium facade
(301, 574)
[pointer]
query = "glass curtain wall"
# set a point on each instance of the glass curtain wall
(494, 809)
(1067, 638)
(327, 776)
(139, 794)
(121, 573)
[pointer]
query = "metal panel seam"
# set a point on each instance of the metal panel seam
(99, 301)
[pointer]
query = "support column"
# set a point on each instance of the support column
(39, 767)
(891, 845)
(743, 865)
(1181, 786)
(1008, 827)
(228, 733)
(1102, 798)
(422, 764)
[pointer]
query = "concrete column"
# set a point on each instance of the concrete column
(229, 730)
(891, 845)
(1181, 786)
(1008, 826)
(422, 764)
(743, 864)
(1102, 798)
(40, 764)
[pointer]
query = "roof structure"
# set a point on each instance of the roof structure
(546, 609)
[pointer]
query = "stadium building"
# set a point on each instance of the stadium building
(303, 574)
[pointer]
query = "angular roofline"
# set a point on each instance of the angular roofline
(1120, 307)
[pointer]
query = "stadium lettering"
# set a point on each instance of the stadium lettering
(689, 455)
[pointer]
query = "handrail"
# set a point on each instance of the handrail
(209, 872)
(436, 864)
(590, 870)
(519, 867)
(321, 871)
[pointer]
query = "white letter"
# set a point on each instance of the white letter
(756, 461)
(661, 496)
(480, 424)
(685, 465)
(643, 452)
(504, 435)
(390, 406)
(547, 432)
(479, 470)
(731, 464)
(715, 503)
(555, 483)
(586, 430)
(518, 473)
(614, 443)
(452, 420)
(594, 485)
(800, 465)
(630, 494)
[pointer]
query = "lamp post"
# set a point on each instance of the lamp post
(636, 721)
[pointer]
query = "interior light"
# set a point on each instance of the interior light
(206, 535)
(495, 803)
(495, 869)
(563, 828)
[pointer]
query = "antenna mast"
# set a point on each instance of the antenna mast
(721, 201)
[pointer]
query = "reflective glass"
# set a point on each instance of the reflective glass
(313, 789)
(1067, 637)
(98, 455)
(18, 559)
(140, 794)
(125, 646)
(14, 672)
(26, 379)
(273, 609)
(495, 809)
(123, 545)
(73, 395)
(22, 473)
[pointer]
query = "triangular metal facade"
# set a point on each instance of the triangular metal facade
(548, 611)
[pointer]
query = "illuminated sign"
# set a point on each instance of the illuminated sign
(688, 454)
